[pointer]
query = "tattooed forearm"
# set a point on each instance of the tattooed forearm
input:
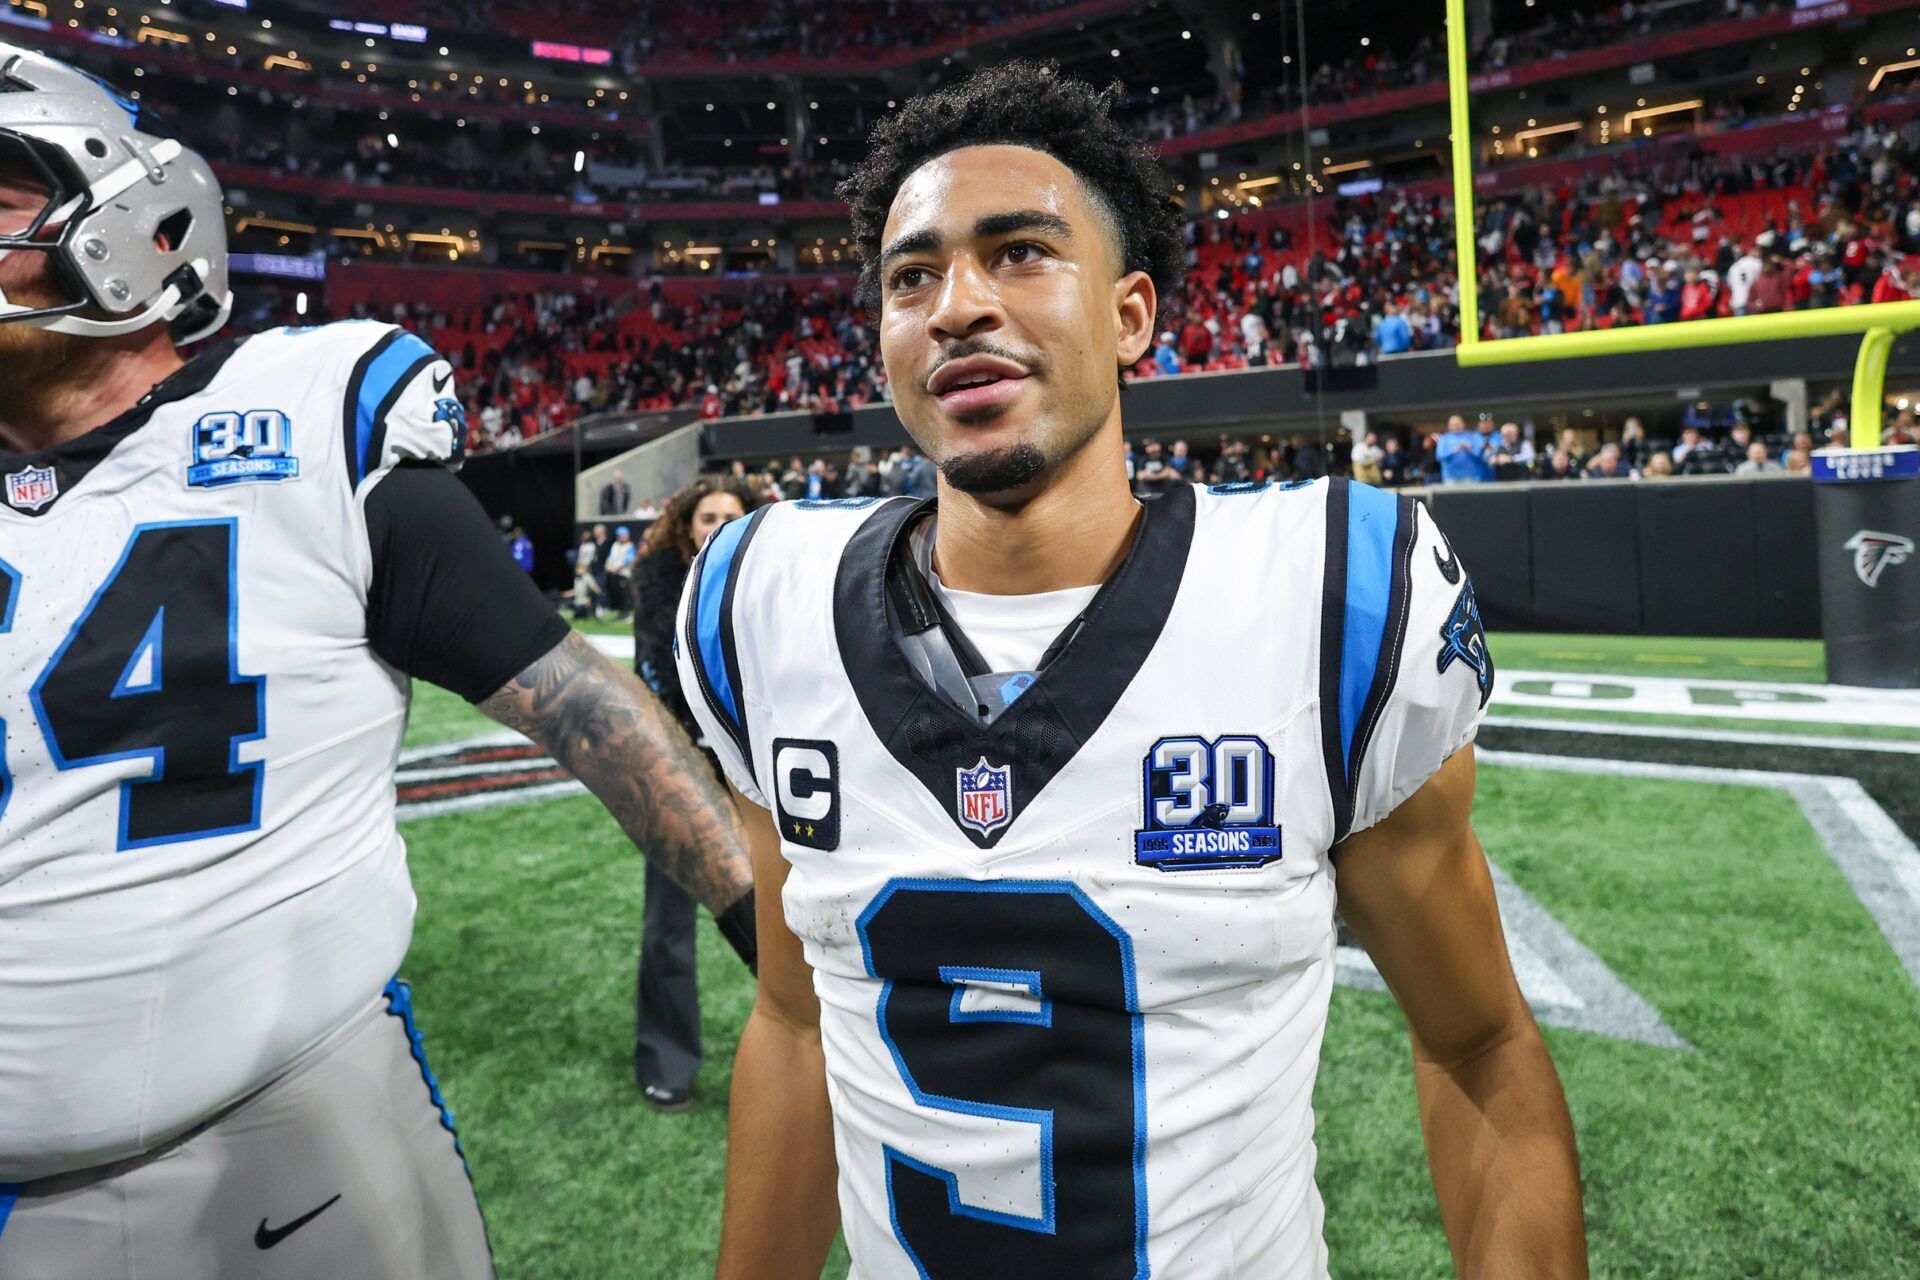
(601, 725)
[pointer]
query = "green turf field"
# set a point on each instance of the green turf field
(1781, 1145)
(1708, 658)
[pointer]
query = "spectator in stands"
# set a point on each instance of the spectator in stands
(1365, 459)
(585, 552)
(1799, 461)
(1513, 455)
(1697, 294)
(1305, 459)
(793, 481)
(1633, 444)
(1180, 461)
(1771, 291)
(1607, 464)
(1569, 444)
(1393, 463)
(1663, 292)
(922, 476)
(1757, 462)
(1165, 357)
(1659, 466)
(1462, 454)
(1393, 335)
(1153, 477)
(1743, 274)
(518, 543)
(616, 496)
(1560, 466)
(1901, 428)
(666, 1046)
(1737, 447)
(619, 583)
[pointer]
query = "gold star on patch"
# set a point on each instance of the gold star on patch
(809, 831)
(796, 829)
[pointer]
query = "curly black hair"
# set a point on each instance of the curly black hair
(1028, 104)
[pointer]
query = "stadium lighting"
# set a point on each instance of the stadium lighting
(300, 303)
(579, 161)
(393, 142)
(1186, 35)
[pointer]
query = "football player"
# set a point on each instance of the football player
(216, 576)
(1054, 795)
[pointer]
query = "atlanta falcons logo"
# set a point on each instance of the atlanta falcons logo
(1874, 552)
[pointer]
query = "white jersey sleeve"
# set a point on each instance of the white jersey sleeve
(1405, 670)
(706, 648)
(400, 406)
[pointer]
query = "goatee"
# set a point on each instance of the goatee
(994, 470)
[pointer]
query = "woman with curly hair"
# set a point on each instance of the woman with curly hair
(666, 1047)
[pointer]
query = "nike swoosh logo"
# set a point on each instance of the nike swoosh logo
(440, 383)
(265, 1237)
(1449, 567)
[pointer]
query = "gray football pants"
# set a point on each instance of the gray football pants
(345, 1168)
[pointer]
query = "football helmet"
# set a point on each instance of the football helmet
(132, 224)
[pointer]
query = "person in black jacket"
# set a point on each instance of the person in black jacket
(666, 1047)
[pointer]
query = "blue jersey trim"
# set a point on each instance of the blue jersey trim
(400, 1005)
(1373, 519)
(9, 1192)
(383, 379)
(710, 618)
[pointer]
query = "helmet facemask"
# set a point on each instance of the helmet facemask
(38, 202)
(130, 226)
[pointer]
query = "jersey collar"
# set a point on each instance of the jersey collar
(71, 460)
(1043, 731)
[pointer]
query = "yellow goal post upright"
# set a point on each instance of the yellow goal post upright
(1877, 322)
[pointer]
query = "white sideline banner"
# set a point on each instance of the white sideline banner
(1737, 699)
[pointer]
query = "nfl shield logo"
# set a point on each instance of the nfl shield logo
(33, 488)
(986, 796)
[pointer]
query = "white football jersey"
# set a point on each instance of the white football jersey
(200, 872)
(1074, 965)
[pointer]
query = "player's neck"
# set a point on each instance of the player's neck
(68, 388)
(1074, 532)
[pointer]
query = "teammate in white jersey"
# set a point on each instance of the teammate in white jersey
(216, 577)
(1054, 795)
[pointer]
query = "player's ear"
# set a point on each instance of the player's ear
(1135, 301)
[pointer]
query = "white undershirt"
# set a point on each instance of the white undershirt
(1010, 632)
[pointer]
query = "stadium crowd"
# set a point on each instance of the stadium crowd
(1721, 237)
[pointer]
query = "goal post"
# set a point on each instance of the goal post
(1879, 322)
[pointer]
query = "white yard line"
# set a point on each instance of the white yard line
(1868, 847)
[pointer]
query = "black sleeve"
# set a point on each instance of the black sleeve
(448, 604)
